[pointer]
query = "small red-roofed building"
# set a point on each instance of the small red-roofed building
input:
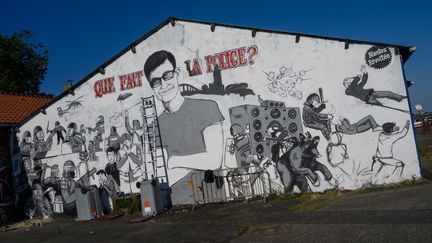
(14, 108)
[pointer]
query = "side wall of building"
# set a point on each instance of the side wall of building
(311, 112)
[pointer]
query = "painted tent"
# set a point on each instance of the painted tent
(314, 112)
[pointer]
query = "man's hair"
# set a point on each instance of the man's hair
(156, 59)
(311, 97)
(388, 127)
(110, 149)
(100, 172)
(125, 136)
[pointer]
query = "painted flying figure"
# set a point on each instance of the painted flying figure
(355, 87)
(384, 153)
(99, 129)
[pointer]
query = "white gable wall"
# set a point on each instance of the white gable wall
(326, 64)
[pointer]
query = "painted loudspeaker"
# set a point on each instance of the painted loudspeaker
(261, 119)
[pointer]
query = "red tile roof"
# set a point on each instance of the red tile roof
(14, 108)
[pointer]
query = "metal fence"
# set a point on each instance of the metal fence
(237, 184)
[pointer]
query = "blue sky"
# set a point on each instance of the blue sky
(81, 35)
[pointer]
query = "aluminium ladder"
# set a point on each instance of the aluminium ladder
(154, 157)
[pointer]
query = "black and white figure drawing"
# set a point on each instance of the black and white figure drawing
(111, 167)
(136, 131)
(40, 145)
(113, 140)
(355, 88)
(59, 130)
(68, 185)
(240, 146)
(384, 154)
(99, 129)
(130, 161)
(286, 82)
(74, 137)
(186, 132)
(42, 207)
(333, 131)
(108, 184)
(92, 151)
(300, 165)
(26, 144)
(73, 107)
(217, 87)
(54, 179)
(313, 116)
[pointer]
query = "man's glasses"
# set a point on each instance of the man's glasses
(156, 82)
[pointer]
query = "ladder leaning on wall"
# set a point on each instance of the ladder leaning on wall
(154, 162)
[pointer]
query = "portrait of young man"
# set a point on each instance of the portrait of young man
(191, 129)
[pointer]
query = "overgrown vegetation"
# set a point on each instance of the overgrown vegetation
(313, 201)
(127, 205)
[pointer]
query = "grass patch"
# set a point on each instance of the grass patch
(314, 201)
(244, 228)
(127, 205)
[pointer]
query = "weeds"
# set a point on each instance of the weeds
(127, 205)
(310, 201)
(245, 228)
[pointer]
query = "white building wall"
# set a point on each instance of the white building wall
(319, 63)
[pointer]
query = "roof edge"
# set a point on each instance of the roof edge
(405, 51)
(97, 70)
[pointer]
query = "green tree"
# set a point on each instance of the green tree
(23, 64)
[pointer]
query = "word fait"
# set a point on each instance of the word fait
(233, 58)
(127, 81)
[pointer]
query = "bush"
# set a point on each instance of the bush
(127, 205)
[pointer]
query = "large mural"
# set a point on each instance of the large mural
(313, 114)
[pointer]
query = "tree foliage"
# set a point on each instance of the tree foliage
(23, 64)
